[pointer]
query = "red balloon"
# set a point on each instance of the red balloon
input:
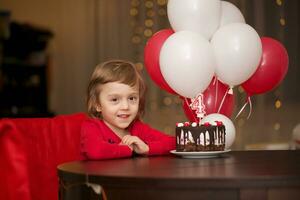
(271, 70)
(151, 58)
(212, 98)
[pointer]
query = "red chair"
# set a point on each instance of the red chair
(31, 149)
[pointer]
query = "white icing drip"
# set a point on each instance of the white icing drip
(181, 137)
(216, 137)
(191, 139)
(201, 137)
(185, 138)
(207, 137)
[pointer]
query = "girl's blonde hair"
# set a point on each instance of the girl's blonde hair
(114, 71)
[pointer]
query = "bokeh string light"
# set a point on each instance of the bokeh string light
(277, 93)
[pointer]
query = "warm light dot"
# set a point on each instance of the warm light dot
(139, 66)
(161, 2)
(240, 89)
(135, 3)
(279, 2)
(133, 11)
(167, 101)
(149, 4)
(241, 122)
(148, 32)
(282, 21)
(277, 104)
(276, 126)
(149, 22)
(150, 13)
(162, 12)
(153, 106)
(136, 39)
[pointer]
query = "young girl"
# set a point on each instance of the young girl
(115, 102)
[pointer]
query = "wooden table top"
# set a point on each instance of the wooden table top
(235, 169)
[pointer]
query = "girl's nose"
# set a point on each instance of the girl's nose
(124, 104)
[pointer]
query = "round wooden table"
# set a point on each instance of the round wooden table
(236, 175)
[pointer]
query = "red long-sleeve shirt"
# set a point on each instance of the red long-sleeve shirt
(98, 141)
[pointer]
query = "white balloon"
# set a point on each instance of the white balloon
(187, 63)
(201, 16)
(230, 14)
(238, 51)
(229, 127)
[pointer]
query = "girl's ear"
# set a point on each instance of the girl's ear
(98, 108)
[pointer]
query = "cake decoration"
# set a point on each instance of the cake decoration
(187, 123)
(200, 137)
(207, 124)
(198, 105)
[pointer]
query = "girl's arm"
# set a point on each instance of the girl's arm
(159, 143)
(95, 147)
(138, 145)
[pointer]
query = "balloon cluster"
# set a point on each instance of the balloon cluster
(209, 50)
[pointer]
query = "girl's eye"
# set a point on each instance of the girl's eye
(114, 100)
(134, 98)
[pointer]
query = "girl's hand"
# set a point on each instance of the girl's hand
(130, 146)
(138, 145)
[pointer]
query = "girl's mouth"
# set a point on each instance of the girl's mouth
(123, 116)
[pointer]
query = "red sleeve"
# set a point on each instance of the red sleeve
(94, 147)
(159, 143)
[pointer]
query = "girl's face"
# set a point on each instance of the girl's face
(119, 104)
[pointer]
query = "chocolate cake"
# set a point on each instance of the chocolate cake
(194, 137)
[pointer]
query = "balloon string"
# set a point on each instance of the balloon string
(215, 80)
(187, 103)
(216, 99)
(244, 106)
(221, 104)
(250, 104)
